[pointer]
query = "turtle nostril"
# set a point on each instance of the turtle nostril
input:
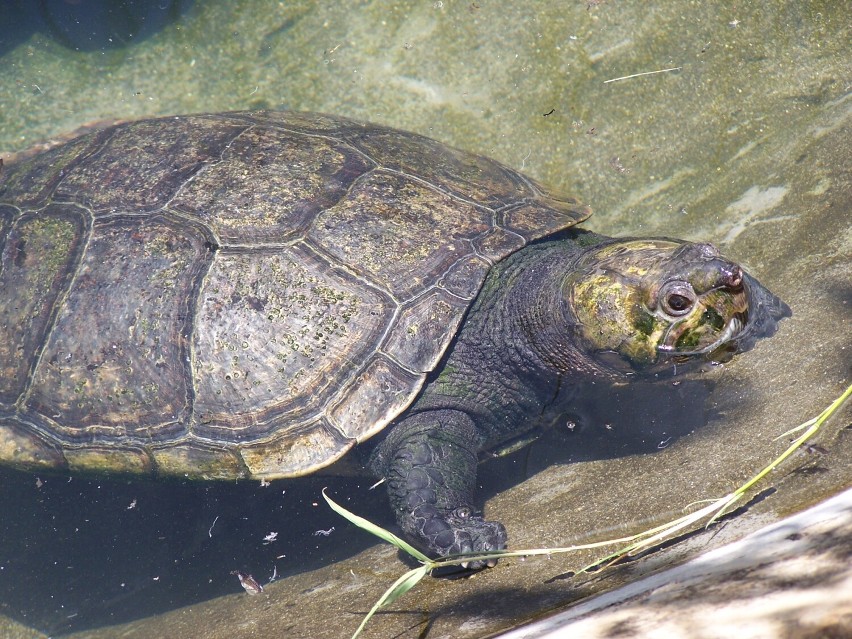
(729, 275)
(735, 278)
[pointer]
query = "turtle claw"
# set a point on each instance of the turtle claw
(489, 563)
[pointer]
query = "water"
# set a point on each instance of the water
(744, 141)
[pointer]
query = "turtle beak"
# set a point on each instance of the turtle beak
(723, 349)
(765, 310)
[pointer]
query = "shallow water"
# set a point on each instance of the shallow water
(742, 139)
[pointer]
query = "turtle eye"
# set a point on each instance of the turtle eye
(677, 298)
(678, 303)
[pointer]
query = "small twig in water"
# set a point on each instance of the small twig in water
(636, 75)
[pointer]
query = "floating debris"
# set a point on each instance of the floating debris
(249, 583)
(636, 75)
(814, 449)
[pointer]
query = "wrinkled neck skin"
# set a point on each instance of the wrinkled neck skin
(541, 331)
(513, 365)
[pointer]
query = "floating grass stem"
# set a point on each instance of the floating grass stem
(637, 542)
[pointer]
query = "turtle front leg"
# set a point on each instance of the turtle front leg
(429, 461)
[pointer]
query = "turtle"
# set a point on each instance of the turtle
(253, 294)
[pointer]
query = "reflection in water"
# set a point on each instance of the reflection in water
(614, 421)
(87, 25)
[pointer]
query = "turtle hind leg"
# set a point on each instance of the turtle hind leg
(429, 462)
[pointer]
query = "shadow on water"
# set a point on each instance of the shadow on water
(86, 25)
(84, 552)
(608, 422)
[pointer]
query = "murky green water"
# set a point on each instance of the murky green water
(742, 138)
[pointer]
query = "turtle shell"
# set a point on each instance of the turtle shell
(240, 294)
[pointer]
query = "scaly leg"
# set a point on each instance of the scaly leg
(429, 461)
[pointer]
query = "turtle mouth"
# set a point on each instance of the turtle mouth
(753, 312)
(718, 350)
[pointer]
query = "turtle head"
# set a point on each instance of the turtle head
(644, 305)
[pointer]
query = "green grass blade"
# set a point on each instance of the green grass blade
(399, 588)
(378, 531)
(723, 504)
(814, 425)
